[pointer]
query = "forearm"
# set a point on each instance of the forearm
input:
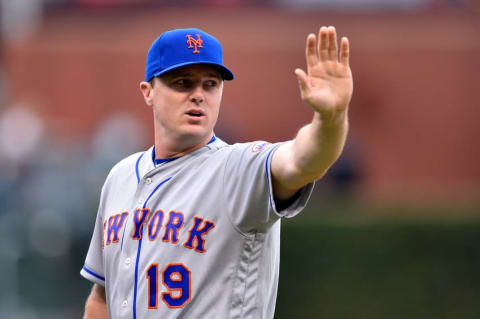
(307, 157)
(318, 145)
(96, 306)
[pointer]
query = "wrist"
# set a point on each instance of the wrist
(331, 120)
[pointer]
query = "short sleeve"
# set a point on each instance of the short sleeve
(93, 269)
(248, 188)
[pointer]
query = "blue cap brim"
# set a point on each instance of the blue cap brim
(226, 74)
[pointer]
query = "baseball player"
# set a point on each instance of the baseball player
(190, 227)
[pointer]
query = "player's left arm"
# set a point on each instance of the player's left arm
(327, 87)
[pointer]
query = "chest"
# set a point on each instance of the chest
(173, 210)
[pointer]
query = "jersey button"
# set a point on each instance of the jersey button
(148, 181)
(128, 261)
(124, 303)
(140, 201)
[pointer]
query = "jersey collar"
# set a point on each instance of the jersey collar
(158, 161)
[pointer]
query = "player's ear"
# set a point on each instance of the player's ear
(147, 90)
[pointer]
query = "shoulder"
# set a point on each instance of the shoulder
(222, 149)
(246, 154)
(251, 149)
(125, 168)
(254, 146)
(221, 152)
(122, 174)
(126, 163)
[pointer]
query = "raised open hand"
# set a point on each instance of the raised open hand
(327, 86)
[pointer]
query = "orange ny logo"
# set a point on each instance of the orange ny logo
(194, 43)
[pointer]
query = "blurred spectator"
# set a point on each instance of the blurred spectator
(119, 135)
(20, 133)
(20, 18)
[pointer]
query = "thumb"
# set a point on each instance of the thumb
(302, 79)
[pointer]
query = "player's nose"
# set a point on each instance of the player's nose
(197, 95)
(196, 99)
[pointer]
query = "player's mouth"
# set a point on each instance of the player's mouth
(196, 113)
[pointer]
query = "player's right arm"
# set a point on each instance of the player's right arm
(327, 87)
(96, 306)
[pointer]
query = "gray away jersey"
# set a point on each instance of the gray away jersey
(196, 237)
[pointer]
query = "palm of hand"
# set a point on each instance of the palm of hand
(328, 86)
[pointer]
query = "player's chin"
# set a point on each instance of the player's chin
(196, 130)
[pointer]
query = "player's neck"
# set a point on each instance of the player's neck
(168, 148)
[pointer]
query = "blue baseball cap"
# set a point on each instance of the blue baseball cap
(181, 47)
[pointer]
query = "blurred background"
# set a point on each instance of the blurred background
(392, 231)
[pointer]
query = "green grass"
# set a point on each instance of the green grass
(379, 269)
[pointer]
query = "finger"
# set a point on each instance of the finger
(345, 51)
(310, 51)
(323, 44)
(302, 79)
(332, 44)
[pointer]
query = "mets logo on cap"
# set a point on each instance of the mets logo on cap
(194, 43)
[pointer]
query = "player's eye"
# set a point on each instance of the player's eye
(211, 84)
(182, 84)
